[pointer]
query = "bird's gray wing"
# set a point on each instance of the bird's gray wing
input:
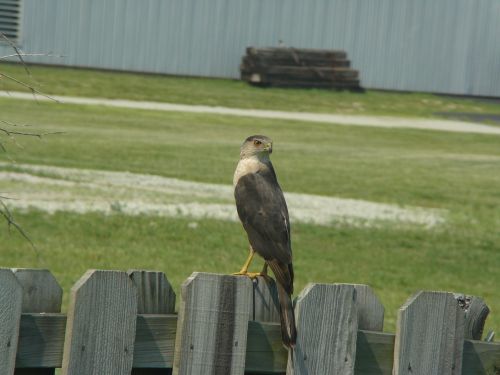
(262, 210)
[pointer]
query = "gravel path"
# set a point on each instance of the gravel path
(52, 189)
(355, 120)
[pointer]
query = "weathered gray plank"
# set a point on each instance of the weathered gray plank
(11, 299)
(265, 351)
(213, 324)
(41, 340)
(327, 328)
(476, 312)
(101, 325)
(370, 309)
(374, 353)
(482, 358)
(429, 335)
(155, 294)
(265, 303)
(41, 293)
(265, 354)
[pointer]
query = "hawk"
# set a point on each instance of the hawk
(263, 212)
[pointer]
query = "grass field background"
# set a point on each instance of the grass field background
(459, 173)
(233, 93)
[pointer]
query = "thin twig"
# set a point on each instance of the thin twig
(5, 212)
(19, 53)
(29, 87)
(38, 135)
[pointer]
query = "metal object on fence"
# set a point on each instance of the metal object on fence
(111, 311)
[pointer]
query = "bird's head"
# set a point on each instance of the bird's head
(256, 145)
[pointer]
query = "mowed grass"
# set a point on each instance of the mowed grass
(233, 93)
(456, 172)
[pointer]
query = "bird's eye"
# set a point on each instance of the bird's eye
(257, 143)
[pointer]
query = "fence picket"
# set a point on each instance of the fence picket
(370, 309)
(476, 312)
(327, 326)
(429, 335)
(265, 303)
(41, 294)
(41, 291)
(155, 296)
(101, 323)
(11, 299)
(212, 325)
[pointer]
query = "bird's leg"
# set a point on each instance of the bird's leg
(244, 269)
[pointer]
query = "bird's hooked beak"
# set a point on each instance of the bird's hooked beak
(269, 147)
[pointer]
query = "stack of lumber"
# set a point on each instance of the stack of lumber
(293, 67)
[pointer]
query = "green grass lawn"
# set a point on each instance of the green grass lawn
(456, 172)
(232, 93)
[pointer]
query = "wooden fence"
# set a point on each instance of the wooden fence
(124, 323)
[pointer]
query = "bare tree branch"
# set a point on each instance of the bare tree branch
(11, 134)
(19, 53)
(5, 212)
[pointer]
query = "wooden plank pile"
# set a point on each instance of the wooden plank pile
(293, 67)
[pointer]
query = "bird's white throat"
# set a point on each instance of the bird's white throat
(252, 164)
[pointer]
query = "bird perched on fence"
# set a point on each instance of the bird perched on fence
(263, 212)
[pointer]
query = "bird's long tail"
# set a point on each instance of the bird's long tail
(284, 282)
(287, 316)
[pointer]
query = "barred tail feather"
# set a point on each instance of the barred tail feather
(287, 316)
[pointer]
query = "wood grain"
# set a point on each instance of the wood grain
(265, 302)
(429, 335)
(265, 354)
(11, 299)
(476, 312)
(155, 294)
(101, 325)
(327, 326)
(370, 309)
(41, 293)
(213, 324)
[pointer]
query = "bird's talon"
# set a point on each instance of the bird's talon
(252, 275)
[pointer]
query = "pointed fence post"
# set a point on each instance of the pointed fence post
(212, 325)
(11, 300)
(370, 309)
(429, 335)
(327, 326)
(155, 296)
(41, 294)
(101, 325)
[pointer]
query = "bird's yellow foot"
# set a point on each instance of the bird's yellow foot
(251, 275)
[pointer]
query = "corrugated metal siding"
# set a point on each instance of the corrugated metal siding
(447, 46)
